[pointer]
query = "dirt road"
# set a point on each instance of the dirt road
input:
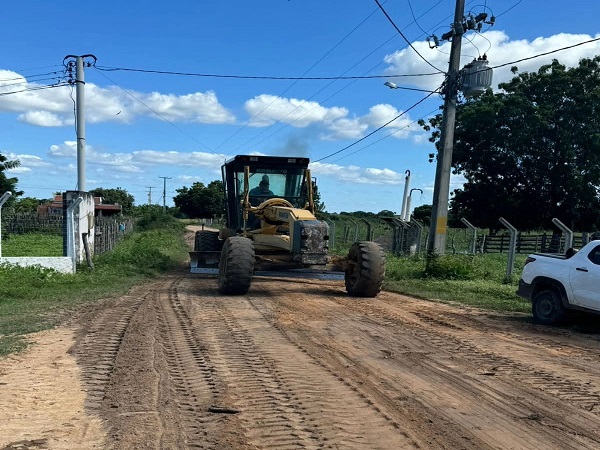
(299, 364)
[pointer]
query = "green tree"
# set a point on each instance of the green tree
(199, 201)
(532, 151)
(27, 205)
(116, 196)
(9, 183)
(319, 205)
(422, 214)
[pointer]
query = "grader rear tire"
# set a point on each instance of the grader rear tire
(207, 241)
(236, 266)
(365, 269)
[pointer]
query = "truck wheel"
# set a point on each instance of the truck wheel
(547, 307)
(236, 266)
(365, 269)
(207, 241)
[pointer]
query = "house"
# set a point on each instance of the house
(56, 207)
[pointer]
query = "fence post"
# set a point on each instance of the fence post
(355, 229)
(332, 233)
(3, 200)
(567, 231)
(368, 235)
(71, 231)
(512, 247)
(474, 230)
(419, 233)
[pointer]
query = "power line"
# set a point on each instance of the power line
(546, 53)
(38, 88)
(325, 87)
(260, 77)
(502, 13)
(386, 136)
(293, 84)
(404, 37)
(380, 128)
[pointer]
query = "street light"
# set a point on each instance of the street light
(390, 85)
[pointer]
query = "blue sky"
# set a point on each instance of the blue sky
(142, 126)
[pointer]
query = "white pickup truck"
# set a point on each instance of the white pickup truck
(557, 283)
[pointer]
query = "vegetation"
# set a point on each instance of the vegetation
(116, 196)
(530, 152)
(201, 202)
(8, 184)
(33, 299)
(33, 244)
(475, 280)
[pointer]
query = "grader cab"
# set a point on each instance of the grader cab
(272, 230)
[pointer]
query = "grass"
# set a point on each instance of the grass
(32, 244)
(475, 280)
(34, 299)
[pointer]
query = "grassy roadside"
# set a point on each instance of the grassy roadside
(34, 299)
(474, 280)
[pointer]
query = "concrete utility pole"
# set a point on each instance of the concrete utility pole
(441, 190)
(80, 115)
(150, 194)
(165, 192)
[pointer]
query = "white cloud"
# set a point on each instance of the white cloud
(345, 129)
(43, 119)
(499, 49)
(267, 109)
(54, 107)
(357, 175)
(135, 161)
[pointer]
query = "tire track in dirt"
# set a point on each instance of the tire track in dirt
(286, 401)
(196, 387)
(432, 327)
(442, 357)
(97, 348)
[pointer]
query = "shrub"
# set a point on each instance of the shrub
(450, 267)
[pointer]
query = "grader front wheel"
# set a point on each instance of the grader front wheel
(365, 269)
(236, 266)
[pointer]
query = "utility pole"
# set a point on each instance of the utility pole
(80, 113)
(150, 194)
(165, 192)
(441, 189)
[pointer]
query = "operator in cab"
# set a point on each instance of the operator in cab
(260, 193)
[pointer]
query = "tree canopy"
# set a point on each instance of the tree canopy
(115, 196)
(532, 151)
(201, 202)
(8, 183)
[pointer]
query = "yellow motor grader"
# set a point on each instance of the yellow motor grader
(272, 230)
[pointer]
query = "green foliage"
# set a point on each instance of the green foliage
(449, 267)
(476, 280)
(27, 205)
(154, 217)
(199, 201)
(116, 196)
(422, 214)
(33, 244)
(8, 184)
(531, 152)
